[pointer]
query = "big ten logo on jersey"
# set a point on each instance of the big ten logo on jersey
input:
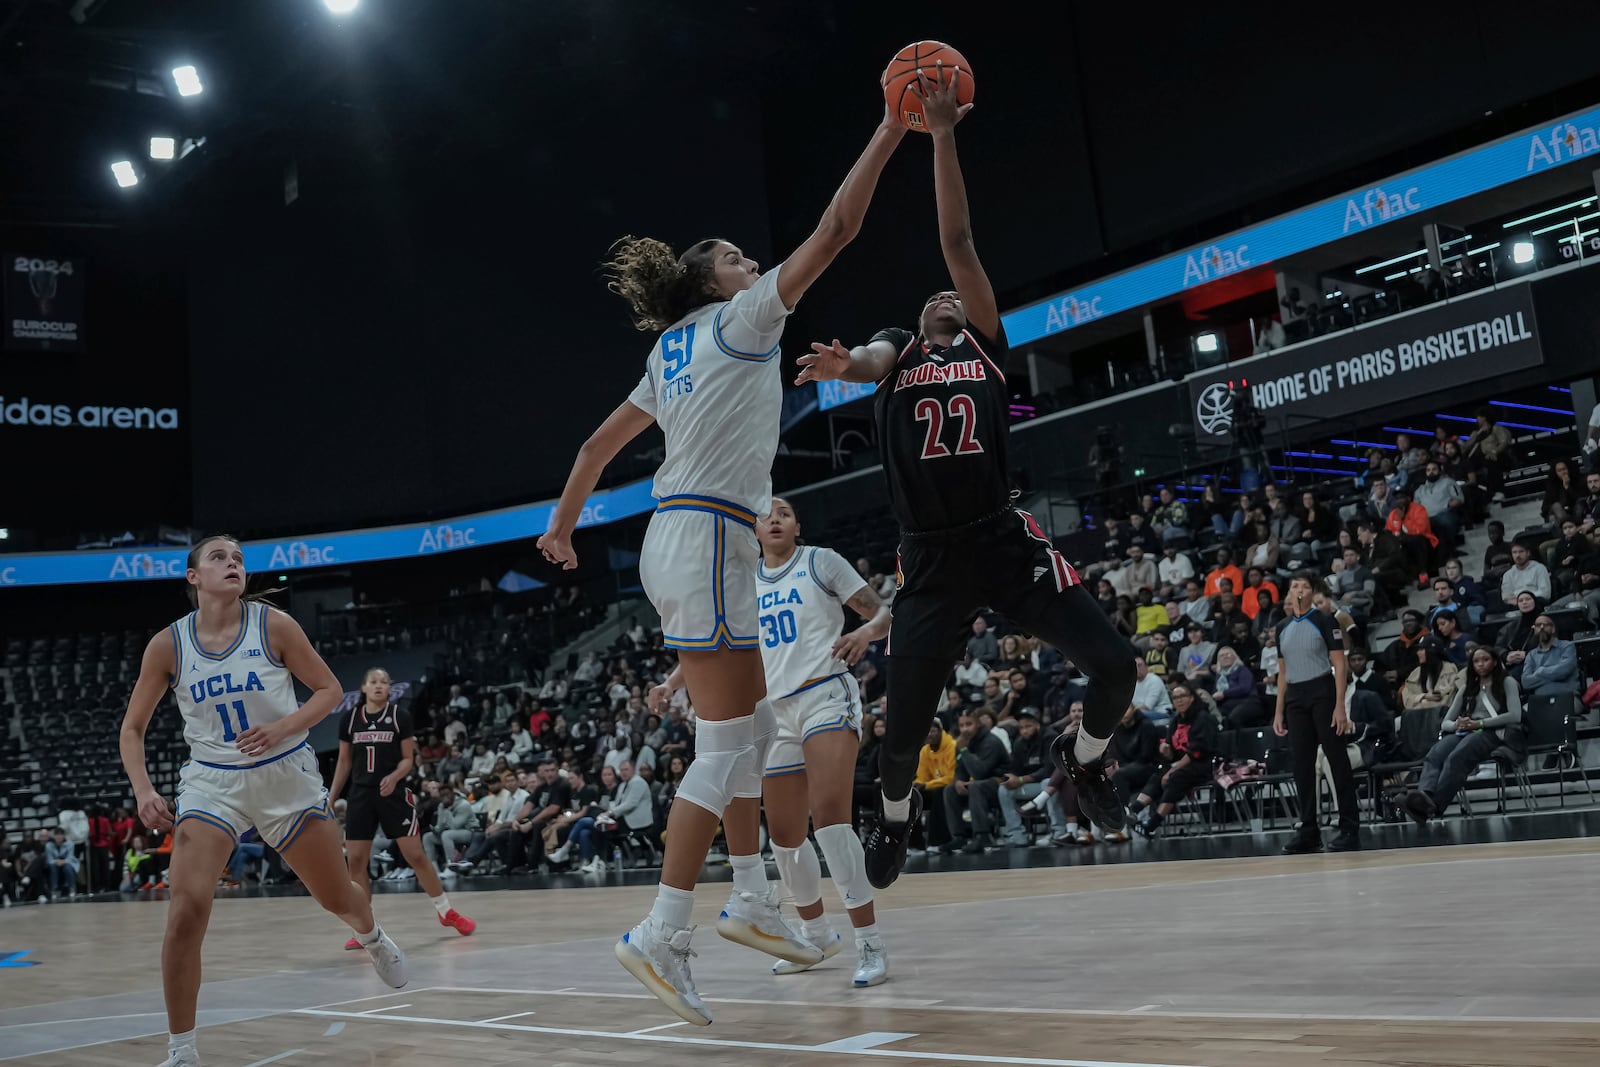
(779, 627)
(677, 350)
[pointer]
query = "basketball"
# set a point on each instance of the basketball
(901, 74)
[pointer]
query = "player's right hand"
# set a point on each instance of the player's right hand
(153, 811)
(658, 697)
(557, 549)
(825, 363)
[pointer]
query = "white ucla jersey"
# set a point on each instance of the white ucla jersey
(802, 615)
(223, 694)
(713, 383)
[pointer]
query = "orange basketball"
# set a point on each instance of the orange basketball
(901, 74)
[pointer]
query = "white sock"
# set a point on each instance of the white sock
(1072, 827)
(371, 936)
(177, 1041)
(818, 931)
(866, 933)
(673, 906)
(441, 904)
(749, 874)
(897, 811)
(1089, 748)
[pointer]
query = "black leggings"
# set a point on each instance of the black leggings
(1308, 716)
(1070, 620)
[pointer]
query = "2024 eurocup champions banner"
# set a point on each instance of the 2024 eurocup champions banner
(43, 303)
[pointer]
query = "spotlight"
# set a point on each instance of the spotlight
(341, 7)
(187, 80)
(123, 171)
(163, 147)
(1206, 342)
(1522, 252)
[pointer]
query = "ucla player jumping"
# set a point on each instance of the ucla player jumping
(713, 384)
(232, 664)
(810, 773)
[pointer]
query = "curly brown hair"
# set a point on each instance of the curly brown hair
(658, 285)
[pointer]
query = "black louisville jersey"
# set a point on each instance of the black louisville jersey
(375, 742)
(942, 429)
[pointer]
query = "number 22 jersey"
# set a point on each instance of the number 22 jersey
(942, 429)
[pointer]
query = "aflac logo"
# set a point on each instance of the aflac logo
(144, 565)
(1214, 262)
(593, 515)
(444, 538)
(1069, 311)
(299, 554)
(1563, 143)
(1214, 411)
(1377, 206)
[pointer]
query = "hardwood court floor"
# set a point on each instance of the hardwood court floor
(1426, 957)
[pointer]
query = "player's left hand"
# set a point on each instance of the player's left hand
(851, 647)
(259, 740)
(386, 786)
(557, 549)
(824, 363)
(658, 698)
(940, 109)
(1341, 722)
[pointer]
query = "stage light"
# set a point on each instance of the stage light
(163, 147)
(123, 171)
(187, 79)
(341, 7)
(1206, 342)
(1522, 252)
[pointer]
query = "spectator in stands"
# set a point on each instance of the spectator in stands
(983, 645)
(482, 761)
(1399, 659)
(1256, 585)
(1565, 554)
(1453, 644)
(1173, 570)
(138, 867)
(1227, 614)
(1140, 570)
(1161, 659)
(1013, 657)
(1150, 697)
(583, 830)
(1363, 676)
(554, 691)
(1588, 571)
(1354, 588)
(1190, 747)
(1318, 526)
(1551, 667)
(971, 674)
(104, 851)
(1140, 534)
(1234, 691)
(10, 873)
(1264, 550)
(509, 804)
(521, 744)
(631, 807)
(458, 700)
(453, 768)
(1489, 450)
(1444, 599)
(1222, 516)
(1561, 493)
(1284, 525)
(1171, 518)
(1587, 511)
(1496, 554)
(1125, 619)
(1225, 568)
(62, 863)
(980, 755)
(1407, 457)
(1024, 775)
(870, 680)
(1468, 594)
(589, 669)
(1434, 680)
(1150, 618)
(1195, 656)
(1481, 718)
(1196, 606)
(1384, 559)
(1408, 523)
(936, 770)
(1442, 499)
(1136, 745)
(455, 825)
(1525, 574)
(1105, 593)
(1519, 636)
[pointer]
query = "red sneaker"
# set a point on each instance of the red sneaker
(463, 925)
(352, 945)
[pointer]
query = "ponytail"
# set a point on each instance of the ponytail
(659, 286)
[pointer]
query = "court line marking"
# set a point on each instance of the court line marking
(91, 1019)
(333, 1029)
(862, 1042)
(1141, 1009)
(653, 1029)
(513, 1015)
(386, 1007)
(883, 1053)
(275, 1059)
(1104, 1013)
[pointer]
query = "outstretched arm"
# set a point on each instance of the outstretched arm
(842, 219)
(864, 363)
(620, 427)
(942, 112)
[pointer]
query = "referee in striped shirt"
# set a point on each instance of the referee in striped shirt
(1311, 711)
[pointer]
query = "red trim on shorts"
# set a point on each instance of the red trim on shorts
(1064, 575)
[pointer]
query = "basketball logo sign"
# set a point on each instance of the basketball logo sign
(1214, 410)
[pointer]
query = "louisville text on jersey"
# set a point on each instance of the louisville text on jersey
(969, 370)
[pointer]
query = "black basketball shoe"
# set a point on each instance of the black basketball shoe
(1096, 795)
(886, 846)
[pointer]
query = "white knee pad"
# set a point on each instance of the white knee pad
(847, 863)
(747, 777)
(721, 748)
(801, 871)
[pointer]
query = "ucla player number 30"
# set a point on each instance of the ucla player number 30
(779, 629)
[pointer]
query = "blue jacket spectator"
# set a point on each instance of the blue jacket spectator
(1552, 667)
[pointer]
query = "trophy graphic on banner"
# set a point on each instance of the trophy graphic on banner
(43, 284)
